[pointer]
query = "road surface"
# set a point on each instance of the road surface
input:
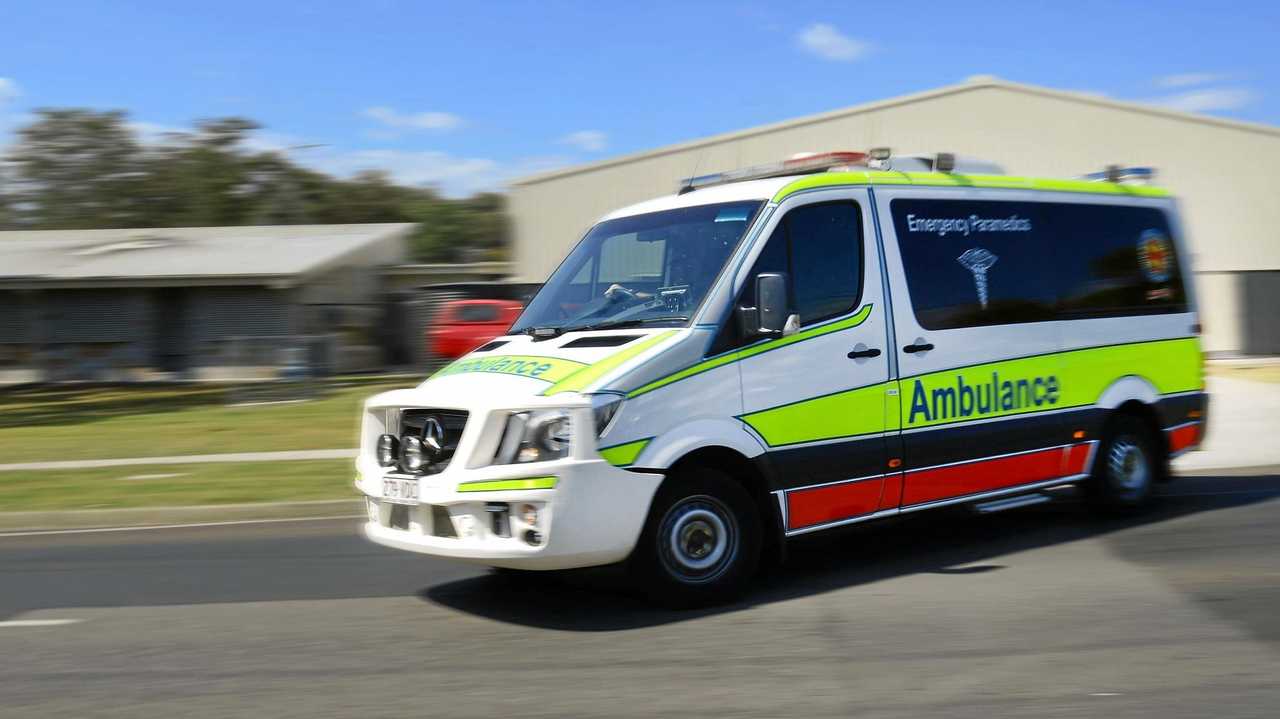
(1041, 612)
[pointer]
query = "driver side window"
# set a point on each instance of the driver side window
(819, 247)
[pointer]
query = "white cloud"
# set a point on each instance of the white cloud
(9, 90)
(586, 140)
(1190, 79)
(1209, 99)
(828, 43)
(413, 121)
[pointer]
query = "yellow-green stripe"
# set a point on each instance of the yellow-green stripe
(498, 485)
(622, 455)
(850, 413)
(547, 369)
(942, 179)
(586, 376)
(817, 331)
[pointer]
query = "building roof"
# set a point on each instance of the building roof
(971, 85)
(256, 254)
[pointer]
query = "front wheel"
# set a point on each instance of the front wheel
(701, 542)
(1126, 467)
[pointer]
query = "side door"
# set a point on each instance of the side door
(972, 278)
(817, 397)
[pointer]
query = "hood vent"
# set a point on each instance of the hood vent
(600, 341)
(490, 346)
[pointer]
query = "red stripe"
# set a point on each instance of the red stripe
(927, 485)
(892, 495)
(1183, 437)
(819, 505)
(1076, 459)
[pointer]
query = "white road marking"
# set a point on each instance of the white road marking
(41, 533)
(170, 475)
(15, 623)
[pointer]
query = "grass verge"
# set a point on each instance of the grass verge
(65, 423)
(176, 485)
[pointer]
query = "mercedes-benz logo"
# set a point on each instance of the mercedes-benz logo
(433, 437)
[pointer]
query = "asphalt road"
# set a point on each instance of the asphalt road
(1042, 612)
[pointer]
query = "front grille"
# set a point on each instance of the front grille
(452, 421)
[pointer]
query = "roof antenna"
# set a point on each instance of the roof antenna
(688, 182)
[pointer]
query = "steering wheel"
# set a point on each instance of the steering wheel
(617, 293)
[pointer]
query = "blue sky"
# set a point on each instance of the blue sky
(467, 95)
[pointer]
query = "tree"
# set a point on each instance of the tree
(76, 168)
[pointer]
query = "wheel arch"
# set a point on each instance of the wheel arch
(1146, 412)
(748, 474)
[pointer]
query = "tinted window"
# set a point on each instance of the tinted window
(976, 263)
(477, 313)
(826, 259)
(1115, 260)
(820, 249)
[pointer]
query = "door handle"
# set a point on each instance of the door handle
(864, 353)
(918, 347)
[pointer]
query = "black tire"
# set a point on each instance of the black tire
(701, 542)
(1127, 467)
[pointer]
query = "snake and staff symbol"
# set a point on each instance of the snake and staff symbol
(978, 261)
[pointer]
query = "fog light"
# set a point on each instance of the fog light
(413, 456)
(529, 514)
(372, 508)
(387, 449)
(532, 538)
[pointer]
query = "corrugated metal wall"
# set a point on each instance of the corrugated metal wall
(16, 318)
(1220, 172)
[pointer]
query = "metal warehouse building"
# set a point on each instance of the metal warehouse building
(190, 302)
(1219, 169)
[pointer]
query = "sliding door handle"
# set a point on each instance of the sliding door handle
(918, 346)
(862, 352)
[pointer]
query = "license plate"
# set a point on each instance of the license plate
(400, 491)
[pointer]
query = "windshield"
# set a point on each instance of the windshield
(647, 269)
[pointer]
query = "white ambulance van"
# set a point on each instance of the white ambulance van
(789, 349)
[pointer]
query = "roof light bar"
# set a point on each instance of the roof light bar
(1115, 173)
(820, 162)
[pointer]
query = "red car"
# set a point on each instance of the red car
(464, 325)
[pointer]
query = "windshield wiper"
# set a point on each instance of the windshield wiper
(546, 332)
(615, 324)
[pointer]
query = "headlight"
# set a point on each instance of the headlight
(387, 450)
(605, 407)
(413, 456)
(535, 437)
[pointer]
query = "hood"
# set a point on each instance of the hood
(573, 362)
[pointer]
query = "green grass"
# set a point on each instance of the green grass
(190, 484)
(64, 423)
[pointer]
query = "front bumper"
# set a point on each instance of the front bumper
(592, 516)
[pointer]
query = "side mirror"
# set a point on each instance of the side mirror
(771, 302)
(771, 314)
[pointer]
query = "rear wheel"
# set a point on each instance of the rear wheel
(1126, 467)
(701, 542)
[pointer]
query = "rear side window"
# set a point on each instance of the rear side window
(973, 263)
(1114, 261)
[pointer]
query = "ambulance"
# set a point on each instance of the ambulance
(781, 350)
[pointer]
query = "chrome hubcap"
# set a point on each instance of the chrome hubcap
(1128, 464)
(699, 538)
